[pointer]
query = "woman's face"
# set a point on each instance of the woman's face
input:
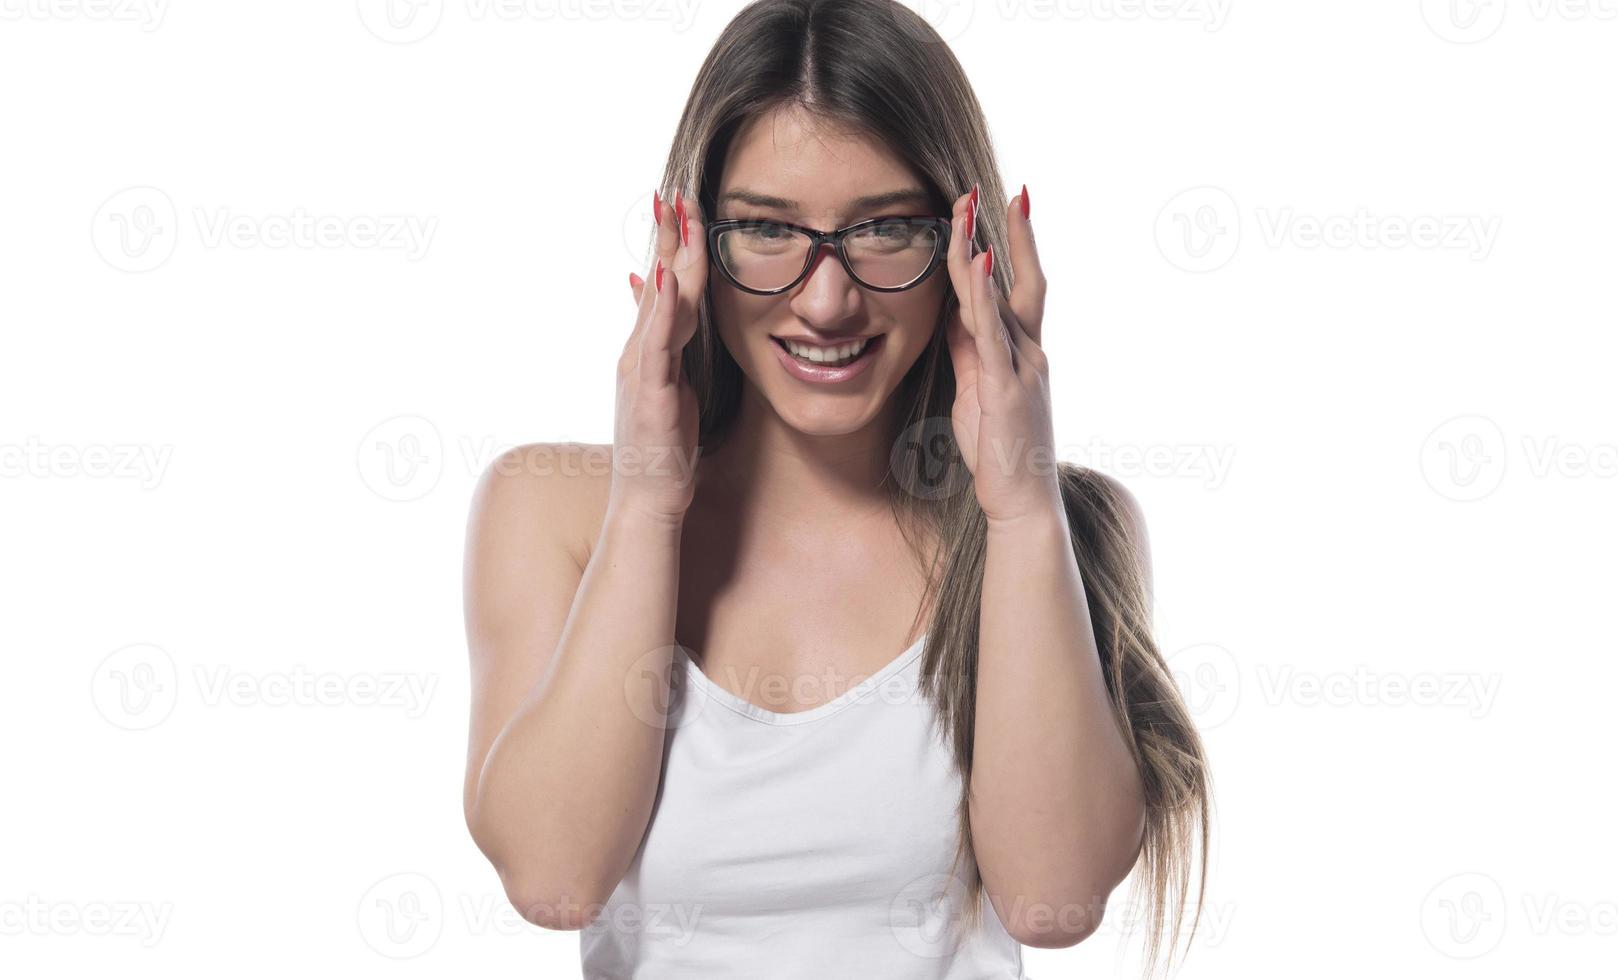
(821, 179)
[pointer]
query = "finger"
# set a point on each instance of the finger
(1027, 276)
(656, 343)
(1021, 342)
(958, 258)
(1030, 357)
(666, 234)
(636, 284)
(662, 218)
(993, 341)
(690, 266)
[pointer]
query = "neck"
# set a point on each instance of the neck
(767, 468)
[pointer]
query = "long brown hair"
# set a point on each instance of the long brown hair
(875, 66)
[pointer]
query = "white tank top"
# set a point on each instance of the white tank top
(809, 845)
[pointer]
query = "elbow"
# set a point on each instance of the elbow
(1053, 917)
(545, 891)
(549, 906)
(1055, 926)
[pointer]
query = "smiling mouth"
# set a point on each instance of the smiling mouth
(839, 355)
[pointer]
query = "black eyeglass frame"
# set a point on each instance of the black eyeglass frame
(835, 239)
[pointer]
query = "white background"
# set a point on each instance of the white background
(1379, 469)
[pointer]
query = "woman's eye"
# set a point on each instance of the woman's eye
(766, 232)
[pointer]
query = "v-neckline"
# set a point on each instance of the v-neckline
(825, 709)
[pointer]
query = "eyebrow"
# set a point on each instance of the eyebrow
(870, 201)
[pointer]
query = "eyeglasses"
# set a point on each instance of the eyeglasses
(887, 255)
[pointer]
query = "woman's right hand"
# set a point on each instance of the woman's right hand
(654, 453)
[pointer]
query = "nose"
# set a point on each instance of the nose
(827, 299)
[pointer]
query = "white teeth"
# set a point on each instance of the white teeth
(827, 355)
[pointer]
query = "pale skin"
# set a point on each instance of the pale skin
(577, 582)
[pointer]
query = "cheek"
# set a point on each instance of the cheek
(915, 316)
(734, 319)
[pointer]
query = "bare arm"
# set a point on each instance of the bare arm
(569, 668)
(571, 645)
(1057, 805)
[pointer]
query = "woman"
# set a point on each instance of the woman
(705, 728)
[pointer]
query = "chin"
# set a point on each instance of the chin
(823, 419)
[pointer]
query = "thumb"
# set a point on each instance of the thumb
(636, 284)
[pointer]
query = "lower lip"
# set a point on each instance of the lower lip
(819, 373)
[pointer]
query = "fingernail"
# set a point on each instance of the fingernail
(660, 275)
(974, 201)
(988, 262)
(1025, 201)
(679, 212)
(635, 282)
(657, 208)
(971, 221)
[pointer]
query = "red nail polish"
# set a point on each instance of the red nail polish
(974, 201)
(660, 275)
(657, 208)
(635, 281)
(1025, 201)
(988, 262)
(971, 221)
(679, 212)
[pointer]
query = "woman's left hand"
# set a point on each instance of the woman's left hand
(1002, 411)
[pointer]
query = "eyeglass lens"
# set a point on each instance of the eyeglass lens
(766, 256)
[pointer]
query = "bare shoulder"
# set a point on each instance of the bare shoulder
(549, 491)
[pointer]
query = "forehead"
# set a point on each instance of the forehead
(820, 166)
